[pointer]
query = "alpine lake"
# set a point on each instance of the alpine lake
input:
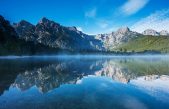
(84, 82)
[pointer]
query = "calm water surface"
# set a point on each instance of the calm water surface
(84, 83)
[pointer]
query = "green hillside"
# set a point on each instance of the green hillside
(143, 43)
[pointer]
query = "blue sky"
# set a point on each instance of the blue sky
(91, 16)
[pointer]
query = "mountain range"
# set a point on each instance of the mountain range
(50, 37)
(54, 35)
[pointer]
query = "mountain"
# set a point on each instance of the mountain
(52, 34)
(155, 33)
(164, 33)
(10, 44)
(25, 30)
(145, 43)
(127, 41)
(6, 31)
(49, 37)
(116, 38)
(151, 32)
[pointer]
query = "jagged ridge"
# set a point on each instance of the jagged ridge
(50, 33)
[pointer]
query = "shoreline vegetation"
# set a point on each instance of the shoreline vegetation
(101, 53)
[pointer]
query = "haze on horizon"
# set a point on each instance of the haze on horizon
(92, 16)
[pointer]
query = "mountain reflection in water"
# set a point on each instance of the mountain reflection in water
(84, 83)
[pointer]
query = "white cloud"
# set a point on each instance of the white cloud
(91, 13)
(102, 24)
(133, 6)
(79, 28)
(157, 21)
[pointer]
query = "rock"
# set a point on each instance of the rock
(151, 32)
(164, 33)
(52, 34)
(123, 30)
(7, 32)
(12, 44)
(25, 30)
(113, 39)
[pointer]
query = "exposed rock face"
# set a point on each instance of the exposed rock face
(151, 32)
(6, 30)
(10, 44)
(25, 29)
(123, 30)
(115, 38)
(164, 33)
(123, 35)
(54, 35)
(155, 33)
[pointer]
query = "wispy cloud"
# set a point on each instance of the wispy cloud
(103, 24)
(158, 21)
(133, 6)
(91, 13)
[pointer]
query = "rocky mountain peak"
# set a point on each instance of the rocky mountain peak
(6, 30)
(52, 34)
(150, 32)
(72, 28)
(47, 23)
(113, 39)
(24, 24)
(3, 22)
(123, 30)
(25, 30)
(44, 20)
(164, 33)
(2, 18)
